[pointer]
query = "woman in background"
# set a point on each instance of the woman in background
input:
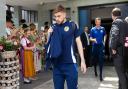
(28, 69)
(36, 39)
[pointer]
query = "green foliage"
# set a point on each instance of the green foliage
(7, 45)
(2, 40)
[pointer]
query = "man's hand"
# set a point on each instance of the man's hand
(50, 30)
(93, 40)
(83, 67)
(113, 51)
(80, 50)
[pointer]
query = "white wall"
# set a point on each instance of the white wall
(101, 12)
(2, 17)
(43, 16)
(73, 5)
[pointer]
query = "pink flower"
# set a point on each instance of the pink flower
(1, 47)
(126, 38)
(126, 45)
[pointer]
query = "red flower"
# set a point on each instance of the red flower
(1, 47)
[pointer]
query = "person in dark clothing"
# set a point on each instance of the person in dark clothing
(86, 46)
(126, 57)
(116, 46)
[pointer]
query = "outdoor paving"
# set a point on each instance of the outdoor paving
(86, 81)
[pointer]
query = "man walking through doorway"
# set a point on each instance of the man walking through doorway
(97, 36)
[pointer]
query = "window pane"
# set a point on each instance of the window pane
(23, 14)
(32, 16)
(36, 16)
(26, 16)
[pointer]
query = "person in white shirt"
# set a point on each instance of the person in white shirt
(86, 45)
(9, 25)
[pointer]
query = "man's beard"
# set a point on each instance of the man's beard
(61, 21)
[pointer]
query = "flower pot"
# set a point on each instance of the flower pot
(8, 54)
(9, 70)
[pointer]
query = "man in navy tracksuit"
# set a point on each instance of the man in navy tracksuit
(97, 36)
(65, 66)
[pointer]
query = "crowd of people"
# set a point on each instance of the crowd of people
(32, 51)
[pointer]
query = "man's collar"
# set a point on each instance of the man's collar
(98, 27)
(119, 17)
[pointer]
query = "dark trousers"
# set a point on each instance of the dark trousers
(98, 57)
(87, 56)
(65, 72)
(119, 67)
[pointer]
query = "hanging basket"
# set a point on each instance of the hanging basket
(8, 54)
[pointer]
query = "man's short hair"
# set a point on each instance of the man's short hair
(97, 18)
(116, 12)
(59, 8)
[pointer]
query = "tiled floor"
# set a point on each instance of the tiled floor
(87, 81)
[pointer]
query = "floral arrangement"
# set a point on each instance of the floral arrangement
(8, 45)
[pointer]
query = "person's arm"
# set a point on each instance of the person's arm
(93, 40)
(12, 34)
(80, 50)
(105, 37)
(91, 37)
(114, 38)
(50, 31)
(77, 34)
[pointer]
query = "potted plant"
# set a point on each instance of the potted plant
(8, 48)
(8, 57)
